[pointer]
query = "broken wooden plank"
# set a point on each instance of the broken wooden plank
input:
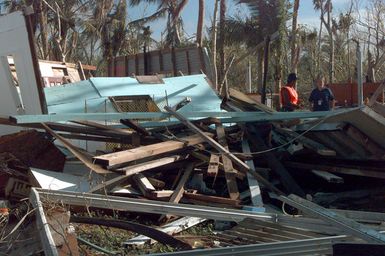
(135, 126)
(307, 142)
(178, 193)
(143, 183)
(287, 180)
(239, 175)
(212, 199)
(255, 190)
(231, 182)
(81, 156)
(213, 166)
(243, 167)
(103, 127)
(241, 97)
(335, 169)
(329, 177)
(126, 156)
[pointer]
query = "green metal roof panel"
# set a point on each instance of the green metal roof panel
(73, 98)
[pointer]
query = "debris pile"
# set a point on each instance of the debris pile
(148, 159)
(237, 173)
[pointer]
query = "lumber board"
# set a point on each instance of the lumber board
(243, 167)
(213, 167)
(103, 127)
(240, 175)
(143, 183)
(307, 142)
(178, 193)
(240, 96)
(231, 182)
(335, 169)
(212, 199)
(329, 177)
(273, 162)
(81, 156)
(126, 156)
(135, 126)
(179, 190)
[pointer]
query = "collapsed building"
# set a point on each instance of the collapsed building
(171, 152)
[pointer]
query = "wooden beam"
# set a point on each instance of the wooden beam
(212, 168)
(121, 132)
(130, 170)
(143, 183)
(335, 169)
(135, 126)
(240, 175)
(82, 157)
(307, 142)
(329, 177)
(147, 151)
(287, 180)
(212, 199)
(231, 182)
(178, 192)
(243, 167)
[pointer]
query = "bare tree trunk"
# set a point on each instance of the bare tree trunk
(214, 46)
(331, 56)
(222, 17)
(260, 70)
(319, 45)
(200, 22)
(294, 52)
(42, 16)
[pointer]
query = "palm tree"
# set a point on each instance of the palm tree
(174, 21)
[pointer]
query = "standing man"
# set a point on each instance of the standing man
(321, 98)
(289, 96)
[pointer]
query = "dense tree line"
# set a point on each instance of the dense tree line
(94, 31)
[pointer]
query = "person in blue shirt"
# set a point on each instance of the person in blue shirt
(321, 98)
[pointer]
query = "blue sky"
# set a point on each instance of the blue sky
(306, 16)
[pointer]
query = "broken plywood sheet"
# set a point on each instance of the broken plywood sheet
(62, 181)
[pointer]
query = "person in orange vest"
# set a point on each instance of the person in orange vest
(289, 96)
